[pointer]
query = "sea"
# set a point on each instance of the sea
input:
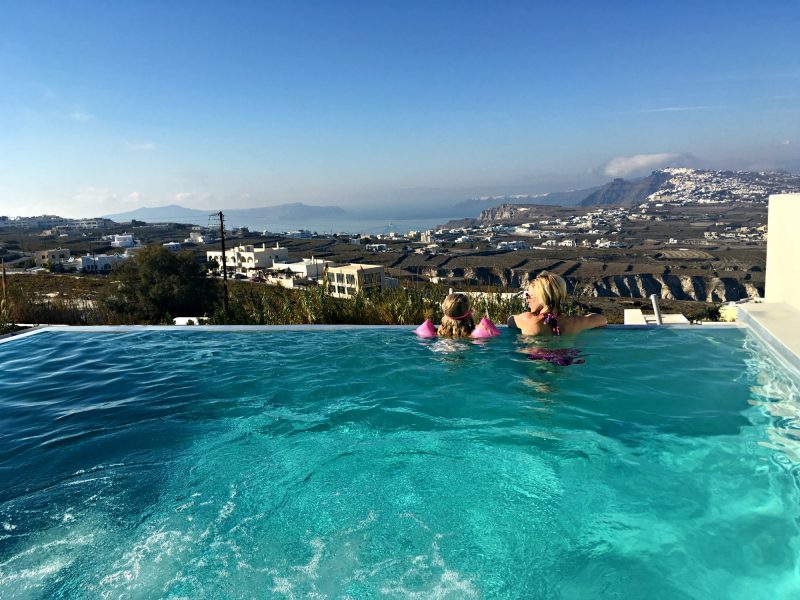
(346, 225)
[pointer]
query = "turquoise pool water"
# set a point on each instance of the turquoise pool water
(369, 464)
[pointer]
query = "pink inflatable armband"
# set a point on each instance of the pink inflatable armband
(492, 327)
(485, 329)
(426, 330)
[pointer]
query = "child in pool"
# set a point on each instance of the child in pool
(457, 319)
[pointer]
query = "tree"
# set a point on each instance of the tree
(156, 284)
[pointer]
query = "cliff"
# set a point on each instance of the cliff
(666, 287)
(673, 287)
(504, 212)
(627, 193)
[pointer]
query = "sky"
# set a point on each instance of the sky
(381, 107)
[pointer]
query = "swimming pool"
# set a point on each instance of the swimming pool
(355, 463)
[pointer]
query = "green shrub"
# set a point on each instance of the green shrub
(157, 284)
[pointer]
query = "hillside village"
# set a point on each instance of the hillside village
(700, 236)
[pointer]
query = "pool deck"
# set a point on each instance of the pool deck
(635, 316)
(777, 324)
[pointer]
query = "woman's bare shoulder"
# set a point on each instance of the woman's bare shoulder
(521, 318)
(527, 322)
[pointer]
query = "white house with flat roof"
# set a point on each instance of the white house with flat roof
(99, 263)
(122, 241)
(512, 245)
(248, 258)
(345, 281)
(93, 223)
(198, 237)
(309, 268)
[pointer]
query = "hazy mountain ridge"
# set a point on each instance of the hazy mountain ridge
(673, 184)
(280, 212)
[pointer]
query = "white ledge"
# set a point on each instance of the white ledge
(777, 324)
(634, 316)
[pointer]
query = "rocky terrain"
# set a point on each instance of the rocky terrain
(697, 288)
(627, 193)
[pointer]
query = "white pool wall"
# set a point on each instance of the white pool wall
(783, 250)
(776, 321)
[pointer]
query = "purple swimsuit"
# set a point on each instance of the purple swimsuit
(557, 356)
(561, 357)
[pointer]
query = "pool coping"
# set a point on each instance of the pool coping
(777, 326)
(36, 329)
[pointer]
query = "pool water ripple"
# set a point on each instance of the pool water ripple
(370, 463)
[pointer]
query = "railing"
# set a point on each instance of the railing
(656, 308)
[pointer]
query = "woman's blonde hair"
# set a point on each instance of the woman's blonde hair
(457, 319)
(551, 290)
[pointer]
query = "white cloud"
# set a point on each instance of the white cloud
(786, 142)
(626, 166)
(82, 116)
(141, 146)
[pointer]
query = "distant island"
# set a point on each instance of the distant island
(174, 213)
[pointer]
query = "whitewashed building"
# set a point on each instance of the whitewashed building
(512, 245)
(122, 241)
(93, 223)
(196, 236)
(248, 258)
(99, 263)
(307, 268)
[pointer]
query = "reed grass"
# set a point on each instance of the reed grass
(267, 305)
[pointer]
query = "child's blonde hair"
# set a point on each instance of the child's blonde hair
(457, 319)
(551, 290)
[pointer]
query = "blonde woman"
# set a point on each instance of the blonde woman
(547, 300)
(457, 320)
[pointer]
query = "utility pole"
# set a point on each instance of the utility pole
(224, 262)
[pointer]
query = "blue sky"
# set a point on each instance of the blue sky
(381, 106)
